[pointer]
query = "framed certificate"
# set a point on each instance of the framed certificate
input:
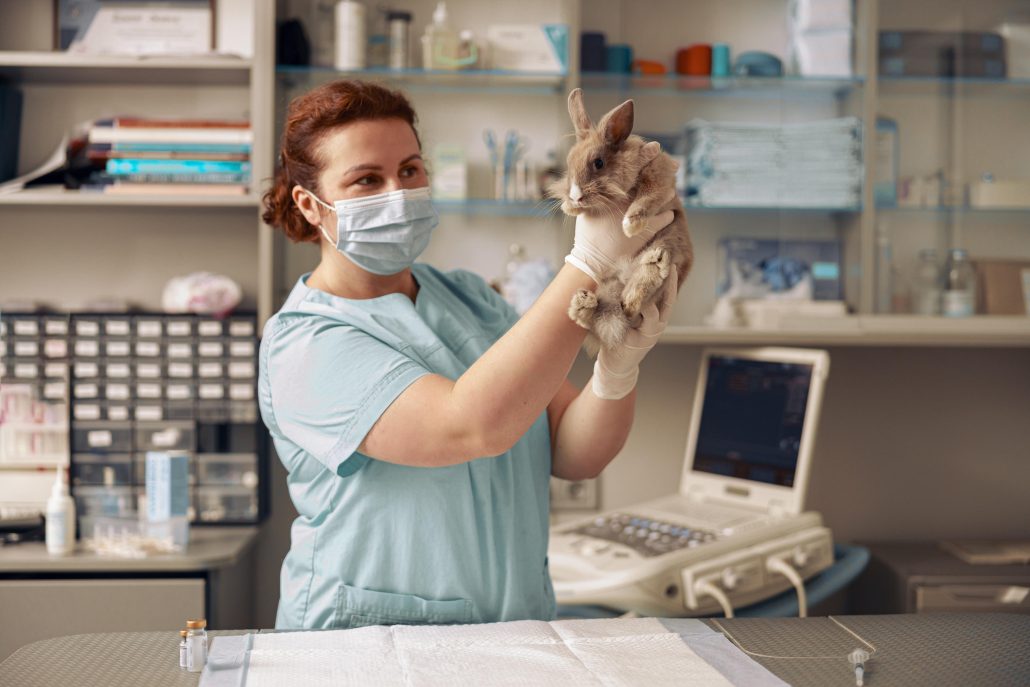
(134, 27)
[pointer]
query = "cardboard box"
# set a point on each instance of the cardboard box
(1002, 287)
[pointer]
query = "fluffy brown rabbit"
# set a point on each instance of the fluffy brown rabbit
(613, 173)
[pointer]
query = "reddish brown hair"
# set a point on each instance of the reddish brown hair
(309, 118)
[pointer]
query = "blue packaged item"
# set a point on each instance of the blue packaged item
(758, 63)
(720, 59)
(593, 56)
(620, 59)
(779, 268)
(167, 479)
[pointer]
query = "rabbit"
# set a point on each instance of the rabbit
(611, 172)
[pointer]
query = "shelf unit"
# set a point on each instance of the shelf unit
(862, 95)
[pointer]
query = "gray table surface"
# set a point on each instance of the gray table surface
(912, 650)
(209, 548)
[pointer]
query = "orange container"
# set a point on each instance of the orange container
(694, 60)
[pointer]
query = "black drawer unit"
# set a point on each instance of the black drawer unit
(138, 382)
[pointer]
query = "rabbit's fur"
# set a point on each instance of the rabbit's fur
(635, 182)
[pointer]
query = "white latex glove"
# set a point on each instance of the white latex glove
(600, 241)
(616, 369)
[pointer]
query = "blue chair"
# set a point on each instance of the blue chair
(849, 562)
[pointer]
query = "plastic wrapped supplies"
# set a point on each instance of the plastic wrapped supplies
(201, 292)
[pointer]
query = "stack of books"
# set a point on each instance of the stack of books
(174, 156)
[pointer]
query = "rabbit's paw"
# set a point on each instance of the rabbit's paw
(582, 308)
(634, 222)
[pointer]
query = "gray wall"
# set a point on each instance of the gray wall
(914, 443)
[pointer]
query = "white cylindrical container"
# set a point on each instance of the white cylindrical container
(196, 645)
(400, 39)
(350, 35)
(60, 518)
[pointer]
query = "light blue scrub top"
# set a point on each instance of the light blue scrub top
(378, 543)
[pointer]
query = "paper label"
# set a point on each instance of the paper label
(55, 348)
(56, 370)
(148, 413)
(148, 370)
(118, 413)
(148, 390)
(241, 328)
(180, 370)
(26, 327)
(957, 303)
(26, 349)
(57, 327)
(26, 370)
(118, 349)
(180, 350)
(86, 391)
(210, 349)
(241, 370)
(87, 349)
(241, 349)
(118, 370)
(87, 328)
(87, 412)
(118, 392)
(211, 391)
(178, 392)
(148, 349)
(209, 328)
(150, 329)
(86, 370)
(179, 328)
(117, 327)
(241, 392)
(208, 370)
(99, 438)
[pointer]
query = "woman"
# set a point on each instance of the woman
(419, 418)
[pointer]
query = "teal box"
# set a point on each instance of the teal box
(167, 479)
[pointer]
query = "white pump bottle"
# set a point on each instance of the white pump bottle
(60, 518)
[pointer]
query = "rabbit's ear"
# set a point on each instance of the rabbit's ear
(649, 151)
(578, 113)
(617, 124)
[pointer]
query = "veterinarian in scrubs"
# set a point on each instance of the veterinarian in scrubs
(419, 418)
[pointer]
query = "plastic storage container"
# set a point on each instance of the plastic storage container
(104, 437)
(227, 469)
(226, 504)
(165, 436)
(94, 470)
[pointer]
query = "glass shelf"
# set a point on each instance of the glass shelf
(958, 86)
(63, 68)
(675, 84)
(501, 208)
(869, 330)
(954, 210)
(47, 196)
(767, 208)
(434, 81)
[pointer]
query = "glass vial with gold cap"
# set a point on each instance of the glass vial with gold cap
(182, 648)
(196, 645)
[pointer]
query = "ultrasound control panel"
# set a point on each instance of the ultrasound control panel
(645, 536)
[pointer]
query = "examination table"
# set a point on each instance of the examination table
(929, 649)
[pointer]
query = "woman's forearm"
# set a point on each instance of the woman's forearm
(591, 433)
(511, 384)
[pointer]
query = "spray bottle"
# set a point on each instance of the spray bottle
(60, 518)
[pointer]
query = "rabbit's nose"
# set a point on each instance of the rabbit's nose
(575, 192)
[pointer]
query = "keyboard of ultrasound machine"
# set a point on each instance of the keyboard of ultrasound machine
(645, 536)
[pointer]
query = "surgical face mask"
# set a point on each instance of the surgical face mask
(384, 233)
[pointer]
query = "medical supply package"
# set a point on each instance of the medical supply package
(786, 269)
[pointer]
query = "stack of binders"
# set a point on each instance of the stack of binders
(175, 156)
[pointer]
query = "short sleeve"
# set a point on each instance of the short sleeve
(329, 383)
(488, 297)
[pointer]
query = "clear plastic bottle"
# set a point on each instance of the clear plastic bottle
(351, 44)
(959, 298)
(927, 283)
(440, 42)
(196, 645)
(182, 648)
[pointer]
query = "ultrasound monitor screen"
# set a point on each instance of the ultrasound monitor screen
(751, 419)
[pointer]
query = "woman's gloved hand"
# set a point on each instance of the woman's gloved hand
(616, 370)
(600, 241)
